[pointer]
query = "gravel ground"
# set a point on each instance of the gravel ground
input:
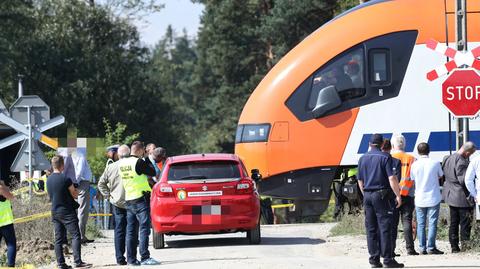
(283, 246)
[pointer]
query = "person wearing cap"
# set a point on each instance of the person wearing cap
(381, 194)
(111, 187)
(112, 154)
(458, 198)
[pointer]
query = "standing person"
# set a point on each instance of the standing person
(112, 155)
(456, 195)
(379, 186)
(134, 171)
(426, 174)
(407, 192)
(149, 149)
(157, 157)
(7, 230)
(111, 187)
(473, 186)
(83, 175)
(62, 194)
(397, 169)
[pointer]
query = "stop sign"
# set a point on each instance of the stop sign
(461, 93)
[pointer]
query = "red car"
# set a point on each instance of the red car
(204, 194)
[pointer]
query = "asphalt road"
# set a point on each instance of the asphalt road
(283, 246)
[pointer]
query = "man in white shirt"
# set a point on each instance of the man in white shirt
(426, 174)
(473, 171)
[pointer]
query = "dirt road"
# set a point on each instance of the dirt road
(283, 246)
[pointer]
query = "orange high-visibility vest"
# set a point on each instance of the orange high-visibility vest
(406, 183)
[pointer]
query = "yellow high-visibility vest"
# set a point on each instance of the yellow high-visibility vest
(6, 214)
(135, 185)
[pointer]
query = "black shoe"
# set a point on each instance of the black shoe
(412, 252)
(455, 249)
(86, 241)
(122, 263)
(82, 265)
(376, 265)
(393, 264)
(435, 252)
(64, 266)
(396, 255)
(423, 252)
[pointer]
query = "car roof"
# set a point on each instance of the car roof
(204, 157)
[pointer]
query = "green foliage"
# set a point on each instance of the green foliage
(93, 230)
(117, 135)
(85, 59)
(206, 83)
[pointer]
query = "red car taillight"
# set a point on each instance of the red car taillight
(164, 190)
(244, 187)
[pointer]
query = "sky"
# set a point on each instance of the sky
(178, 13)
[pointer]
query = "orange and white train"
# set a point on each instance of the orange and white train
(363, 72)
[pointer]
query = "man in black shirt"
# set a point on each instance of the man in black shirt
(64, 217)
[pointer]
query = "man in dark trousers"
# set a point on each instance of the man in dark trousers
(397, 170)
(134, 172)
(62, 194)
(456, 195)
(379, 185)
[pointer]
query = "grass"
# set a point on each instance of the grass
(355, 225)
(35, 238)
(349, 225)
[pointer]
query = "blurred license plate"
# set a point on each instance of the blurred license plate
(207, 214)
(205, 193)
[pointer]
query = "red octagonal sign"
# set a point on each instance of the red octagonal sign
(461, 93)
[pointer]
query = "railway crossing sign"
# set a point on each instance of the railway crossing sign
(468, 58)
(461, 93)
(29, 116)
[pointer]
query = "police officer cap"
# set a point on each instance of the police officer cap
(113, 148)
(376, 139)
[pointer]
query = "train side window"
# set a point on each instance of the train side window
(345, 73)
(379, 60)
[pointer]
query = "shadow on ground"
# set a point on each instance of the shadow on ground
(269, 241)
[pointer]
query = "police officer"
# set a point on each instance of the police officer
(134, 172)
(379, 185)
(6, 224)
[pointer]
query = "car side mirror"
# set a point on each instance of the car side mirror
(328, 99)
(256, 176)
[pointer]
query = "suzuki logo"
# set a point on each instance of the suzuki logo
(205, 188)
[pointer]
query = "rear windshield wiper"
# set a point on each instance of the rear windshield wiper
(194, 177)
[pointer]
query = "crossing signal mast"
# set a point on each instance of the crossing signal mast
(29, 116)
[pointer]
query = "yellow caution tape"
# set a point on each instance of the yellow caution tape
(20, 191)
(32, 217)
(48, 214)
(282, 206)
(100, 215)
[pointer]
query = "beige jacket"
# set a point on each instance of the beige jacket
(111, 186)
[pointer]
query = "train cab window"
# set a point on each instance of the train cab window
(379, 66)
(346, 74)
(367, 72)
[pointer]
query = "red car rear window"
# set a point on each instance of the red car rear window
(203, 170)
